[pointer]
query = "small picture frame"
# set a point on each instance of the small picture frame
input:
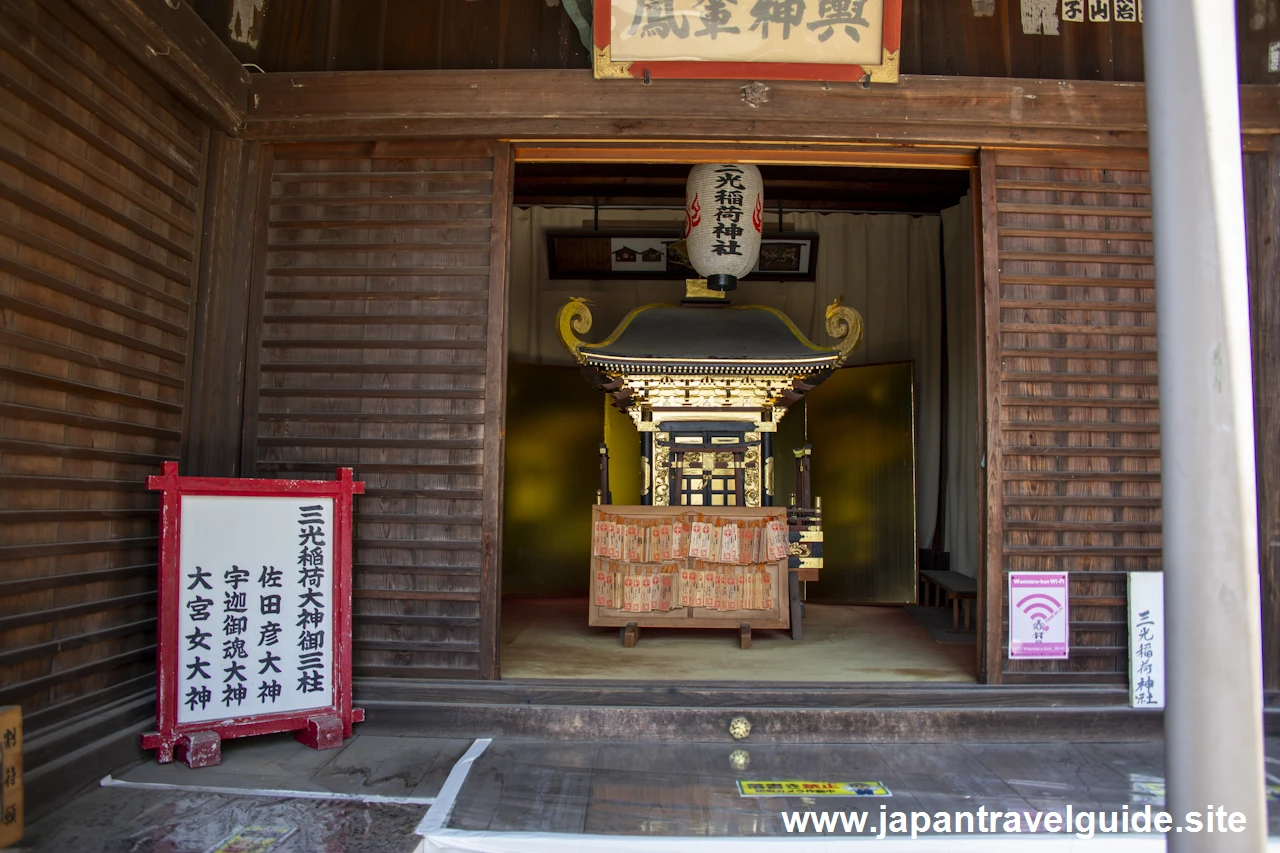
(590, 255)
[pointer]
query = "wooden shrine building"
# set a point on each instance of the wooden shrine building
(271, 239)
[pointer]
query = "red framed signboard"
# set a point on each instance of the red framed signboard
(255, 612)
(832, 40)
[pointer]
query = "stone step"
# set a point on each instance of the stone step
(864, 713)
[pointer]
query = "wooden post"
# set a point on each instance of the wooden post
(1213, 671)
(804, 485)
(766, 469)
(1262, 197)
(646, 469)
(605, 496)
(990, 646)
(797, 606)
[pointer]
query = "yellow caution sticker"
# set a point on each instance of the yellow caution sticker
(252, 839)
(804, 788)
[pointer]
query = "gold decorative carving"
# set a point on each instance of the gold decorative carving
(688, 397)
(606, 69)
(887, 70)
(844, 322)
(799, 549)
(810, 563)
(696, 288)
(661, 473)
(645, 475)
(751, 470)
(811, 535)
(574, 319)
(768, 476)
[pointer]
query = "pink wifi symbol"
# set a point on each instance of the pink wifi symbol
(1038, 605)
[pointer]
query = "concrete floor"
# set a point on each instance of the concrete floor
(271, 781)
(583, 791)
(550, 638)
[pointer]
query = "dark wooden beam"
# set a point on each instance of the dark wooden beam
(917, 205)
(1262, 203)
(181, 51)
(527, 104)
(215, 408)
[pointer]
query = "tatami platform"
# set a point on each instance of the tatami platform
(550, 638)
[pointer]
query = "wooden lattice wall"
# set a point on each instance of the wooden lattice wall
(1073, 449)
(383, 349)
(100, 192)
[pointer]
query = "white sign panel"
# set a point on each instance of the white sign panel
(697, 30)
(1038, 615)
(255, 606)
(1146, 639)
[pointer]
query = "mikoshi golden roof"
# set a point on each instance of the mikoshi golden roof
(700, 356)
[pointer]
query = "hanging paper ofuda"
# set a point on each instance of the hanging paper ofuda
(724, 217)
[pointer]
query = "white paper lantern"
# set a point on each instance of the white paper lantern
(723, 218)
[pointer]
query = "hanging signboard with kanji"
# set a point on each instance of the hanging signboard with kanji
(836, 40)
(255, 612)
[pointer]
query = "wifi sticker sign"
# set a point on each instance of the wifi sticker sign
(1038, 615)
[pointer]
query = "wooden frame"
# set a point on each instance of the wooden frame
(991, 557)
(171, 41)
(169, 732)
(975, 162)
(1262, 204)
(568, 105)
(886, 72)
(495, 413)
(695, 617)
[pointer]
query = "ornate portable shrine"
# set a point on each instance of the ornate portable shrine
(706, 384)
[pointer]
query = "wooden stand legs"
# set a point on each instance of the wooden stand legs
(630, 635)
(321, 733)
(199, 749)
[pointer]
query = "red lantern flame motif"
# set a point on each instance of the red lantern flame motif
(757, 215)
(692, 216)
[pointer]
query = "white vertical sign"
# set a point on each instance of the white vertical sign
(1146, 639)
(255, 606)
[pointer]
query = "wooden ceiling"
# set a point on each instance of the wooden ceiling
(969, 38)
(794, 187)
